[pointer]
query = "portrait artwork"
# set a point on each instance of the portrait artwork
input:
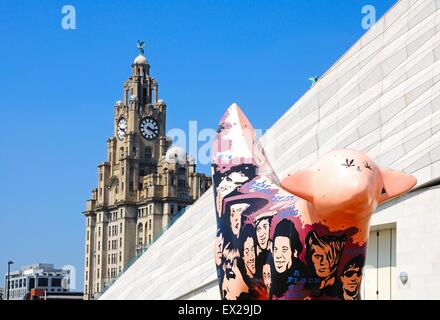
(301, 238)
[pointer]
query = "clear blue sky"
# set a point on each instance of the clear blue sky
(58, 88)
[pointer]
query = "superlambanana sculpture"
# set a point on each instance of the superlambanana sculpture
(303, 238)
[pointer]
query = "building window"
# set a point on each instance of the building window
(172, 209)
(149, 224)
(140, 232)
(88, 235)
(97, 273)
(99, 246)
(120, 256)
(99, 259)
(120, 228)
(56, 282)
(87, 248)
(182, 171)
(42, 282)
(149, 238)
(148, 153)
(32, 282)
(99, 231)
(122, 171)
(120, 242)
(97, 287)
(100, 177)
(87, 276)
(87, 262)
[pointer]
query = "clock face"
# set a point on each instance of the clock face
(122, 128)
(149, 128)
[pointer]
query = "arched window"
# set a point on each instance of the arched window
(140, 234)
(182, 171)
(121, 152)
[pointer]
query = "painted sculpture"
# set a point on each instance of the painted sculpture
(302, 238)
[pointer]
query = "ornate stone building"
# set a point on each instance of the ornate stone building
(144, 183)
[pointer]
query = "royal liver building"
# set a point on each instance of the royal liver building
(144, 183)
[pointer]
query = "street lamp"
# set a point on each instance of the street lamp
(9, 274)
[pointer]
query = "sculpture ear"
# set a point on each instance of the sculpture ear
(299, 184)
(394, 183)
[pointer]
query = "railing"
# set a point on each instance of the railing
(141, 252)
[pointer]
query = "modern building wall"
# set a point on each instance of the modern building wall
(382, 97)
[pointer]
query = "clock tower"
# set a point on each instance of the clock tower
(144, 184)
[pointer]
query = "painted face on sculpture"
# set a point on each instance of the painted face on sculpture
(230, 182)
(351, 279)
(249, 255)
(267, 276)
(233, 283)
(235, 217)
(263, 233)
(219, 240)
(282, 253)
(320, 262)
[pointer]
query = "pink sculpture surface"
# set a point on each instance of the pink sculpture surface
(302, 238)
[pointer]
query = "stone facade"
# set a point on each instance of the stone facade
(142, 186)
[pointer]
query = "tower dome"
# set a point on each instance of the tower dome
(140, 59)
(175, 154)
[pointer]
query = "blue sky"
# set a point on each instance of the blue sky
(58, 88)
